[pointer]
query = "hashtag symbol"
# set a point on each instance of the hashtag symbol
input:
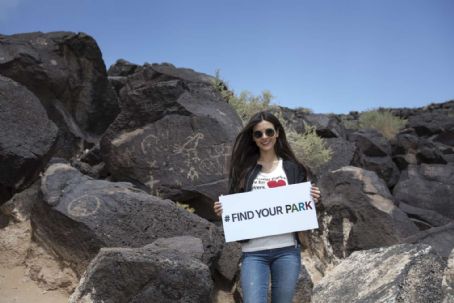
(227, 218)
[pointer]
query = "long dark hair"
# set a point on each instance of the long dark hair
(245, 152)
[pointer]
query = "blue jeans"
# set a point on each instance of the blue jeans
(284, 265)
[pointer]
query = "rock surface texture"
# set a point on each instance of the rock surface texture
(401, 273)
(448, 280)
(173, 136)
(148, 274)
(427, 186)
(27, 137)
(66, 72)
(78, 215)
(359, 213)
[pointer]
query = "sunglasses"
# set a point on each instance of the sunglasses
(269, 132)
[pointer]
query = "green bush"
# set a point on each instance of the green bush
(304, 110)
(309, 148)
(349, 123)
(245, 104)
(383, 121)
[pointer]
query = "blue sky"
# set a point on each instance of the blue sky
(330, 56)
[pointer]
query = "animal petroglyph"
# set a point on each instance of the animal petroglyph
(191, 143)
(84, 206)
(193, 154)
(189, 149)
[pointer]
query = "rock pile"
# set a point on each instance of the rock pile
(95, 163)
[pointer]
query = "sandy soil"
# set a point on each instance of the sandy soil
(15, 287)
(22, 259)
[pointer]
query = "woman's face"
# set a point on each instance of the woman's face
(265, 135)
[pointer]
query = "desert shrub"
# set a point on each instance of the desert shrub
(309, 148)
(221, 86)
(383, 121)
(349, 123)
(185, 206)
(245, 104)
(304, 110)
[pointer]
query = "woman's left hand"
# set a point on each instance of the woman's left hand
(315, 193)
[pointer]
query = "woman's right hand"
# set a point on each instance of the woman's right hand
(217, 208)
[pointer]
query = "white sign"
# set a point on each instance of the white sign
(267, 212)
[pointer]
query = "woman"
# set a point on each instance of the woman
(262, 158)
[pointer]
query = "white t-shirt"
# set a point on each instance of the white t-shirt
(268, 180)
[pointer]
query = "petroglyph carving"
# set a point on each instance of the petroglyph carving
(128, 156)
(196, 157)
(189, 149)
(151, 181)
(148, 143)
(191, 144)
(84, 206)
(152, 144)
(192, 174)
(216, 162)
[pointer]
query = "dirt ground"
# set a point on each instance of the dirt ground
(15, 287)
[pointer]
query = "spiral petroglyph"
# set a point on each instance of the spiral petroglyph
(84, 206)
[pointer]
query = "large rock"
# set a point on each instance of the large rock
(118, 73)
(448, 280)
(27, 137)
(373, 154)
(326, 126)
(78, 215)
(371, 143)
(408, 148)
(343, 153)
(173, 136)
(66, 72)
(294, 118)
(440, 238)
(406, 112)
(432, 123)
(424, 218)
(384, 167)
(228, 263)
(358, 212)
(427, 186)
(18, 208)
(402, 273)
(122, 68)
(147, 274)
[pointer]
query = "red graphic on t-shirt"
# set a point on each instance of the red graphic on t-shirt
(276, 183)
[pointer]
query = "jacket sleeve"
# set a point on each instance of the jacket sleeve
(302, 174)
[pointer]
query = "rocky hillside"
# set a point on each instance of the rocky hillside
(95, 166)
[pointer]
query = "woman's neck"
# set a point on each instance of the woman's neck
(267, 157)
